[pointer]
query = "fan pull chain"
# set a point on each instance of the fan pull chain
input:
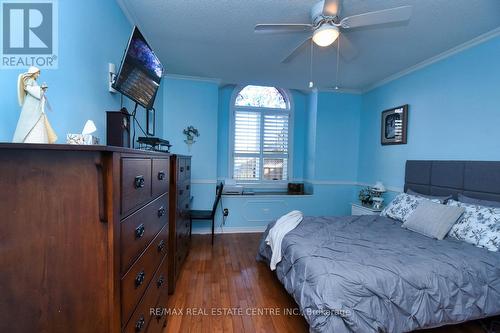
(311, 83)
(337, 78)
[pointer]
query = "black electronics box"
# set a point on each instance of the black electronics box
(296, 188)
(118, 128)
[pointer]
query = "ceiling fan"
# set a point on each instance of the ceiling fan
(326, 24)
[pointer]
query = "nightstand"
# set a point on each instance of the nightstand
(359, 209)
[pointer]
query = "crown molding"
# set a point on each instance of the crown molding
(193, 78)
(446, 54)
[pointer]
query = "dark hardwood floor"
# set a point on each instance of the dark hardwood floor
(222, 289)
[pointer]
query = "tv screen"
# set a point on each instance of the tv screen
(140, 71)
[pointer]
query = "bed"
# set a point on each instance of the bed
(367, 274)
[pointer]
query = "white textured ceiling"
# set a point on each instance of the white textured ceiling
(215, 38)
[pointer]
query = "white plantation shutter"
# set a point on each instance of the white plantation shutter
(261, 143)
(247, 145)
(276, 133)
(247, 132)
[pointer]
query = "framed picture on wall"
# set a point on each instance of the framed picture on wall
(150, 122)
(395, 126)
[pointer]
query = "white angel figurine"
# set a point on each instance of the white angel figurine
(33, 125)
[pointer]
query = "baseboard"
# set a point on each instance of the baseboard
(229, 230)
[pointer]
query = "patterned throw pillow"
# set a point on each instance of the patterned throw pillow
(403, 206)
(480, 225)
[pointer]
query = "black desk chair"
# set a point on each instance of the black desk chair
(208, 214)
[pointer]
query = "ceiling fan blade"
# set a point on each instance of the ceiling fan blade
(347, 49)
(397, 14)
(282, 28)
(296, 51)
(331, 8)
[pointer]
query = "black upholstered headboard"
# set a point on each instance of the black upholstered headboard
(474, 179)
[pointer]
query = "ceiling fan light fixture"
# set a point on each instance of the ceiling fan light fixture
(326, 35)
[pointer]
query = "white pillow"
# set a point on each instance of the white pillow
(432, 219)
(479, 225)
(403, 206)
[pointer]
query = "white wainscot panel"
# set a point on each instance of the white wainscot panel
(264, 210)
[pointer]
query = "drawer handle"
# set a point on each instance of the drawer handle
(139, 279)
(161, 211)
(160, 315)
(161, 246)
(188, 187)
(181, 192)
(188, 167)
(182, 169)
(140, 324)
(160, 281)
(139, 231)
(139, 182)
(161, 175)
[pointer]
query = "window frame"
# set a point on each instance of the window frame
(262, 110)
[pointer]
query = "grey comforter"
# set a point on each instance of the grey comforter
(367, 274)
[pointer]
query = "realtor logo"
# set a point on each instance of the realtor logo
(29, 34)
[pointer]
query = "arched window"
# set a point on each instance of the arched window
(263, 97)
(260, 134)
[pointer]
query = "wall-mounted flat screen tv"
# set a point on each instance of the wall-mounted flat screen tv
(140, 72)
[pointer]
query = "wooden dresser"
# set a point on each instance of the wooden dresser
(180, 223)
(84, 239)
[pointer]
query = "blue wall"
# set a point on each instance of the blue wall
(454, 113)
(310, 141)
(91, 34)
(337, 137)
(225, 95)
(189, 102)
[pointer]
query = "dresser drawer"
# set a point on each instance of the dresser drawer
(137, 230)
(141, 273)
(142, 317)
(136, 183)
(160, 176)
(181, 169)
(188, 168)
(183, 192)
(159, 320)
(183, 203)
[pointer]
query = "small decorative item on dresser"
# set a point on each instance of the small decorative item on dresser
(33, 125)
(118, 128)
(86, 138)
(394, 126)
(190, 132)
(365, 196)
(377, 190)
